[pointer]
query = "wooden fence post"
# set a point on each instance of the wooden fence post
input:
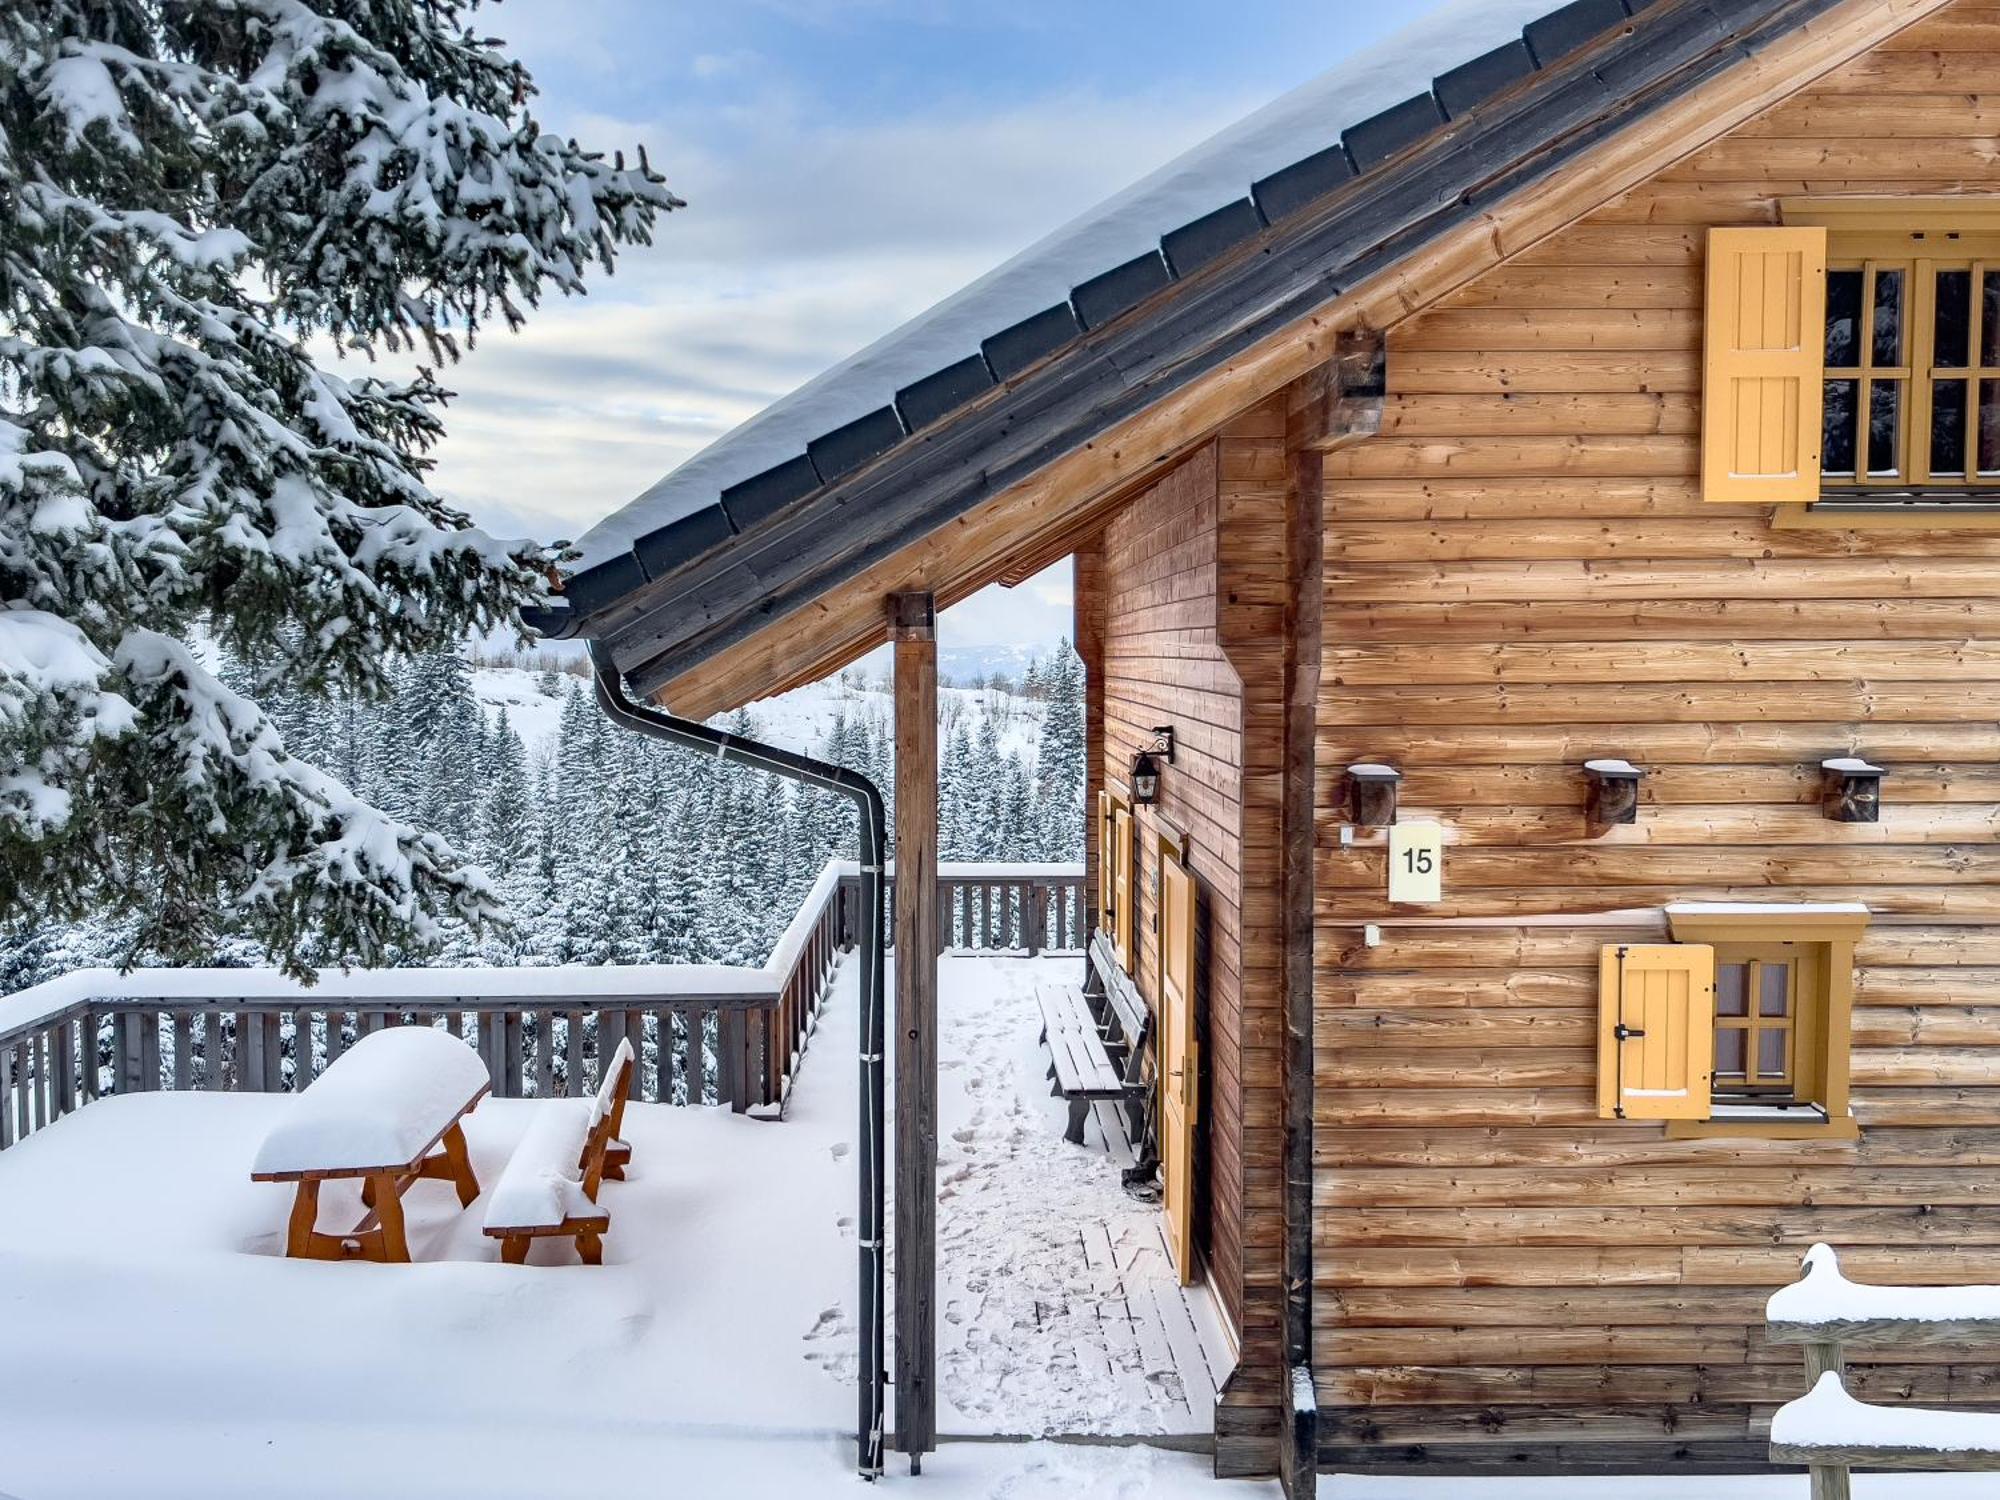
(1829, 1481)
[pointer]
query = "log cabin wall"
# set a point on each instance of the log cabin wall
(1183, 603)
(1520, 575)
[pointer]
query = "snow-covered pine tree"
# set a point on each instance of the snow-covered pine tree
(189, 193)
(1059, 761)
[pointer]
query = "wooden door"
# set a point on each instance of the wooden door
(1180, 1060)
(1121, 888)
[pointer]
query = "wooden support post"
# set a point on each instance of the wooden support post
(913, 629)
(1298, 1456)
(1087, 589)
(1829, 1481)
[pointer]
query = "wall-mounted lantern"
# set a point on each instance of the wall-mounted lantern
(1371, 795)
(1614, 793)
(1850, 790)
(1146, 766)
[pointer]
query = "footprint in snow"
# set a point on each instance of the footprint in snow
(840, 1150)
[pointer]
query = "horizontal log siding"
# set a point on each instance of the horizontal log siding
(1520, 574)
(1163, 664)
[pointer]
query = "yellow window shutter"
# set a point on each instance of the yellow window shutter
(1103, 858)
(1124, 895)
(1762, 382)
(1655, 1031)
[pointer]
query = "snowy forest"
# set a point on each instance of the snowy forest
(605, 847)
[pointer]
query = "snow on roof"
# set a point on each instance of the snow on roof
(1131, 224)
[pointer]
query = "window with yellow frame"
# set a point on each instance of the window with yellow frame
(1738, 1026)
(1912, 372)
(1851, 362)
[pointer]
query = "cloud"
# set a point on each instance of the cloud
(800, 249)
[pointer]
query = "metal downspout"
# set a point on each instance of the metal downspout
(661, 725)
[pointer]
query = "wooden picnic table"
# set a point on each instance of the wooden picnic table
(389, 1112)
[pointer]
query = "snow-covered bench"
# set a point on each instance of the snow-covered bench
(1079, 1065)
(550, 1184)
(386, 1111)
(1830, 1431)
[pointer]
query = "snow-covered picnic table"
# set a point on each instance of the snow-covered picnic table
(387, 1111)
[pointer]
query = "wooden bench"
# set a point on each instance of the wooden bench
(1079, 1064)
(550, 1185)
(1831, 1432)
(1127, 1024)
(387, 1111)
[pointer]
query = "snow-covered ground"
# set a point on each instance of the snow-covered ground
(154, 1342)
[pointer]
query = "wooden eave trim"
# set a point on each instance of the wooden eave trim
(1768, 927)
(1406, 284)
(1878, 212)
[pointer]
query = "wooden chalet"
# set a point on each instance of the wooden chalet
(1554, 512)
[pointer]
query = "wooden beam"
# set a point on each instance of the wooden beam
(913, 629)
(1306, 426)
(1087, 590)
(1340, 402)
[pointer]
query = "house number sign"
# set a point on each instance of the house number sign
(1416, 863)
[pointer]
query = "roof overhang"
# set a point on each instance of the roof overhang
(736, 608)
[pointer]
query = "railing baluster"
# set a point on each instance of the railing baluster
(696, 1042)
(183, 1051)
(573, 1075)
(8, 1133)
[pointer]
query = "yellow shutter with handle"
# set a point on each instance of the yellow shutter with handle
(1656, 1031)
(1180, 1060)
(1105, 839)
(1123, 892)
(1761, 376)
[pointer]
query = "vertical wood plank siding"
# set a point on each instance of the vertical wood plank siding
(1520, 574)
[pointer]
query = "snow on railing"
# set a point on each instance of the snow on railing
(703, 1032)
(989, 905)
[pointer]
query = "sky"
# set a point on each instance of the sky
(846, 164)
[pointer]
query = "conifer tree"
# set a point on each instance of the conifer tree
(190, 193)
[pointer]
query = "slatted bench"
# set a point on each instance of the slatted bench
(1831, 1432)
(549, 1187)
(1079, 1064)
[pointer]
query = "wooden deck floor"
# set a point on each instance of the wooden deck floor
(1059, 1309)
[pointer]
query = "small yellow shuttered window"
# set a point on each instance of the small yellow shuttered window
(1762, 391)
(1124, 889)
(1656, 1031)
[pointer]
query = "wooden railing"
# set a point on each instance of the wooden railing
(703, 1033)
(1031, 909)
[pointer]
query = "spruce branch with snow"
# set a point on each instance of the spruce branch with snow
(189, 195)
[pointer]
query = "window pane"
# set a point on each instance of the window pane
(1954, 317)
(1948, 427)
(1774, 989)
(1771, 1054)
(1989, 427)
(1989, 322)
(1843, 319)
(1732, 989)
(1888, 318)
(1837, 442)
(1729, 1053)
(1885, 429)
